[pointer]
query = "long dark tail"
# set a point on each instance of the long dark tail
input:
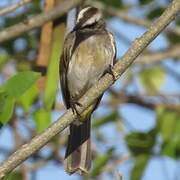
(78, 153)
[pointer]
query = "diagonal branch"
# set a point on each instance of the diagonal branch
(13, 7)
(37, 21)
(137, 47)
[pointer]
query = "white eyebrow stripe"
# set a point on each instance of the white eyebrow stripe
(93, 19)
(81, 13)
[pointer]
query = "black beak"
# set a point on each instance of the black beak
(77, 26)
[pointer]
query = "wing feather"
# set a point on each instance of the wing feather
(64, 64)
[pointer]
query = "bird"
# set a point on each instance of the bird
(89, 51)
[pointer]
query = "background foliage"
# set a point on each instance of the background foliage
(138, 122)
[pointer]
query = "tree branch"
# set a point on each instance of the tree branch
(13, 7)
(37, 21)
(64, 121)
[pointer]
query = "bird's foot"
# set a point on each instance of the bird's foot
(110, 70)
(74, 104)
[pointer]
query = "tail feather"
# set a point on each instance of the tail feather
(78, 153)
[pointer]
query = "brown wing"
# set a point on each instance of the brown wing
(70, 45)
(63, 67)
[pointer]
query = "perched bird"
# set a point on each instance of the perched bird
(89, 52)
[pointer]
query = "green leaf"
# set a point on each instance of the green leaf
(100, 162)
(13, 89)
(113, 3)
(173, 38)
(14, 176)
(29, 97)
(170, 149)
(141, 143)
(139, 166)
(155, 12)
(169, 128)
(3, 58)
(42, 119)
(53, 68)
(114, 116)
(6, 111)
(167, 123)
(19, 83)
(143, 2)
(3, 96)
(152, 79)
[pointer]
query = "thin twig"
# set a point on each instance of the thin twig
(147, 100)
(153, 57)
(93, 93)
(13, 7)
(111, 167)
(37, 21)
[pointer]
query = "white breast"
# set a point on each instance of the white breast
(88, 63)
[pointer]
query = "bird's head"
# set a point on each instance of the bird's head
(88, 17)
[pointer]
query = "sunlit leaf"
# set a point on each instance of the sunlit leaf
(28, 97)
(167, 122)
(169, 128)
(52, 81)
(170, 149)
(13, 89)
(6, 111)
(42, 119)
(139, 166)
(152, 79)
(19, 83)
(3, 96)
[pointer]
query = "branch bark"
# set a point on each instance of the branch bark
(137, 47)
(37, 21)
(13, 7)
